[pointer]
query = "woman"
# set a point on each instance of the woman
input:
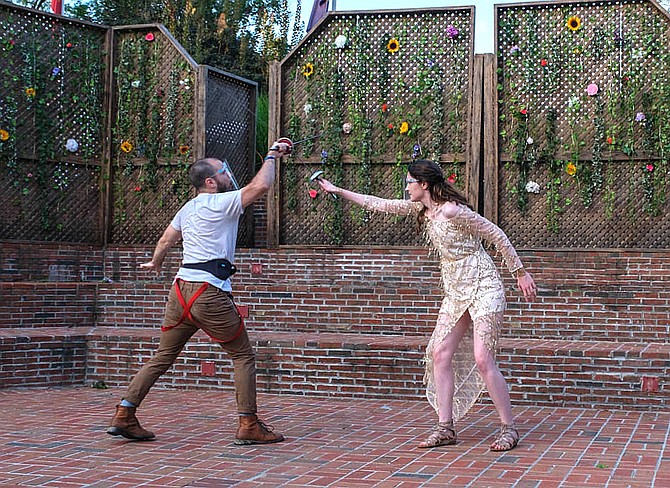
(458, 365)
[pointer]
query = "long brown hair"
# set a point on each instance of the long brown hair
(440, 189)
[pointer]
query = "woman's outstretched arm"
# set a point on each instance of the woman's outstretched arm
(369, 202)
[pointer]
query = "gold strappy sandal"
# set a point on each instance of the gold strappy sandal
(443, 434)
(507, 438)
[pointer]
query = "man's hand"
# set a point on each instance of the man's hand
(150, 266)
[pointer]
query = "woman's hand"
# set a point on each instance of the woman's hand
(527, 286)
(327, 186)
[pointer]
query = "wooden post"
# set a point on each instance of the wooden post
(490, 138)
(106, 175)
(200, 113)
(274, 126)
(473, 160)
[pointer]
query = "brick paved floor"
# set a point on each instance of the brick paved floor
(56, 437)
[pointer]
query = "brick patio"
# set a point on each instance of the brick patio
(55, 437)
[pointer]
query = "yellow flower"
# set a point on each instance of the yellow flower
(571, 169)
(404, 128)
(393, 46)
(183, 149)
(4, 135)
(126, 147)
(308, 70)
(574, 23)
(30, 92)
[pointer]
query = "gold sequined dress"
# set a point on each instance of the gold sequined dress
(471, 282)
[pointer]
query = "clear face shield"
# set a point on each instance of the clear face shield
(228, 170)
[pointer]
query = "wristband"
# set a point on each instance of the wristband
(270, 157)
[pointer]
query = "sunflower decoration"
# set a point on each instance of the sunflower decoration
(30, 92)
(126, 147)
(571, 169)
(308, 70)
(574, 23)
(393, 46)
(404, 128)
(4, 135)
(184, 150)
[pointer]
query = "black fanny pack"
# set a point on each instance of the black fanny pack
(221, 268)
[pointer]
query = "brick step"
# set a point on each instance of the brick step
(566, 373)
(578, 374)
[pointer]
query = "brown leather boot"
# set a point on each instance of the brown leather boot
(253, 431)
(125, 423)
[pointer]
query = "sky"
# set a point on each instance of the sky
(484, 23)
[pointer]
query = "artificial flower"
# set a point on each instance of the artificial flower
(341, 41)
(571, 169)
(384, 107)
(404, 128)
(529, 141)
(69, 45)
(573, 102)
(135, 84)
(514, 50)
(649, 167)
(393, 46)
(308, 70)
(55, 71)
(532, 187)
(126, 147)
(574, 23)
(346, 128)
(523, 111)
(452, 31)
(149, 37)
(390, 127)
(416, 151)
(30, 92)
(313, 194)
(307, 108)
(183, 150)
(592, 89)
(543, 62)
(640, 117)
(72, 145)
(138, 189)
(452, 178)
(610, 140)
(4, 135)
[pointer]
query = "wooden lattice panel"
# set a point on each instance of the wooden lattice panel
(51, 118)
(584, 112)
(230, 121)
(153, 135)
(372, 90)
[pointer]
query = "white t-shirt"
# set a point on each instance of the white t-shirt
(208, 226)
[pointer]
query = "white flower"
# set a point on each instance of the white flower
(136, 84)
(340, 41)
(532, 187)
(573, 102)
(307, 108)
(529, 141)
(637, 53)
(72, 145)
(346, 128)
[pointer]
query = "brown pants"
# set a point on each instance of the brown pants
(214, 312)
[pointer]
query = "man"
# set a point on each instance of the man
(201, 296)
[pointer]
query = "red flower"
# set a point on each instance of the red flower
(650, 167)
(452, 178)
(149, 37)
(384, 107)
(543, 62)
(390, 127)
(11, 42)
(69, 45)
(523, 111)
(313, 194)
(610, 140)
(138, 188)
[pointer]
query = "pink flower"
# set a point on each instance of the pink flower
(592, 89)
(313, 194)
(69, 45)
(149, 37)
(138, 188)
(650, 167)
(452, 178)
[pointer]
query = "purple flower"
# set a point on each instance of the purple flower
(452, 31)
(640, 117)
(55, 71)
(430, 63)
(416, 151)
(514, 49)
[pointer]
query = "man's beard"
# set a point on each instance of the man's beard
(224, 186)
